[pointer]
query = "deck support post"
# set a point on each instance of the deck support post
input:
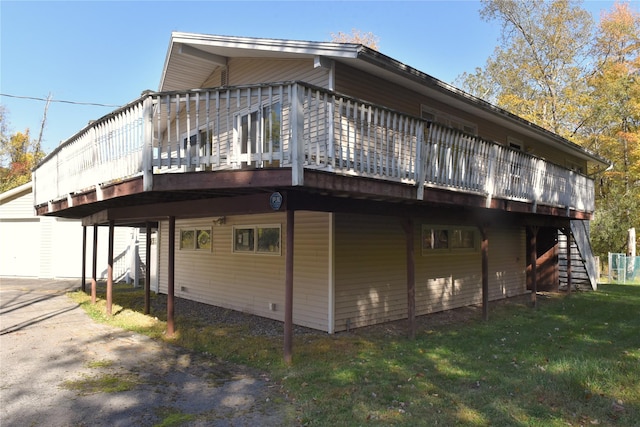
(110, 269)
(94, 267)
(485, 272)
(533, 259)
(171, 276)
(411, 278)
(147, 269)
(288, 301)
(84, 259)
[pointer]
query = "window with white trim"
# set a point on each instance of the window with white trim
(257, 239)
(444, 239)
(260, 125)
(196, 139)
(198, 239)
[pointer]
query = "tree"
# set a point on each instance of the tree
(19, 154)
(538, 70)
(556, 69)
(358, 37)
(613, 126)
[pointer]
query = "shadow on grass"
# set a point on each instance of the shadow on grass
(575, 360)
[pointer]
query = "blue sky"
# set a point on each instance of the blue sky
(109, 52)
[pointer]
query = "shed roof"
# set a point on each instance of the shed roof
(21, 190)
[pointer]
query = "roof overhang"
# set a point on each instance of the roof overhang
(192, 58)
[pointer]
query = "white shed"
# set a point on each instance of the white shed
(50, 247)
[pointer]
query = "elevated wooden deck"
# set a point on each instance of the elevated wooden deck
(239, 141)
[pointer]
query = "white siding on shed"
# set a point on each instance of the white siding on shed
(17, 207)
(49, 247)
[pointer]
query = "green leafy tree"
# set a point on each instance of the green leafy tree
(555, 68)
(613, 126)
(19, 154)
(538, 69)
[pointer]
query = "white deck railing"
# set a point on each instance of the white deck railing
(296, 126)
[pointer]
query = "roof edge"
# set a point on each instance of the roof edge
(330, 49)
(24, 188)
(294, 46)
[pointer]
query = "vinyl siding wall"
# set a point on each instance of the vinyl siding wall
(370, 270)
(370, 259)
(251, 282)
(242, 71)
(17, 207)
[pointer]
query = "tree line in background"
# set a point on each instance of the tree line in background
(556, 68)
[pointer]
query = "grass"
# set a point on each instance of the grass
(104, 383)
(171, 417)
(573, 361)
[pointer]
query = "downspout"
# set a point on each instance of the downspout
(331, 303)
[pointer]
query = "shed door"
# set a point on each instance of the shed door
(20, 248)
(67, 248)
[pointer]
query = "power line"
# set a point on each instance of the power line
(60, 100)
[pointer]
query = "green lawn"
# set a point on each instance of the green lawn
(573, 361)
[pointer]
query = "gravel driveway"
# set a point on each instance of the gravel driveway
(48, 343)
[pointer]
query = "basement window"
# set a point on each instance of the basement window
(198, 239)
(443, 239)
(257, 239)
(434, 238)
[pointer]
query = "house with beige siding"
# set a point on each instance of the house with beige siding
(327, 185)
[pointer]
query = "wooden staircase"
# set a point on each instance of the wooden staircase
(583, 267)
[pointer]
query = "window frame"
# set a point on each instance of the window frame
(270, 142)
(255, 231)
(190, 140)
(195, 246)
(450, 232)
